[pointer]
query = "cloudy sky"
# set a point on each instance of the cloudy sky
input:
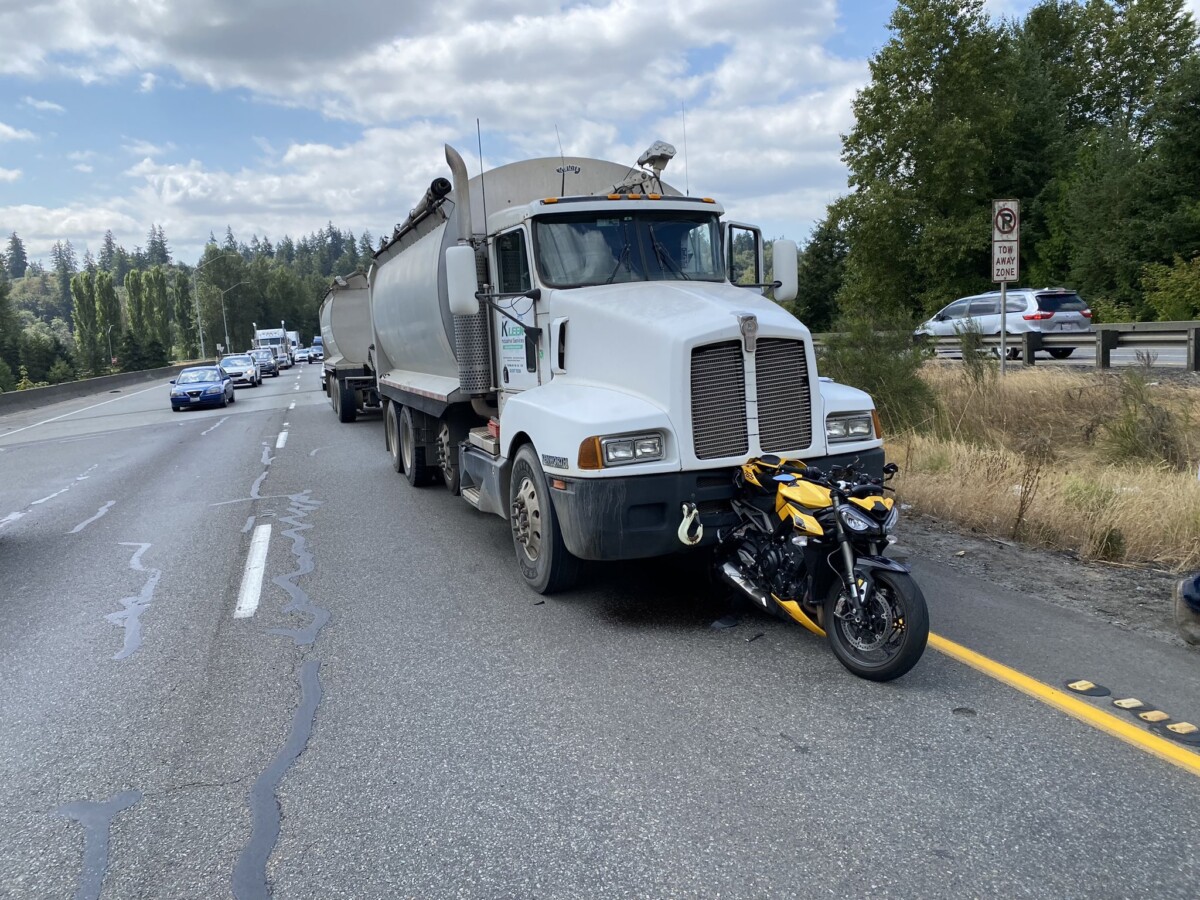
(276, 116)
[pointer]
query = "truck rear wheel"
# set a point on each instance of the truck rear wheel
(545, 562)
(413, 454)
(347, 405)
(391, 431)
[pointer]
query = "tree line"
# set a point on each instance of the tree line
(1087, 111)
(126, 311)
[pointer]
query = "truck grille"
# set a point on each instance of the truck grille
(718, 401)
(784, 396)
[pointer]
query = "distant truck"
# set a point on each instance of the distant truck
(277, 340)
(293, 343)
(345, 339)
(578, 361)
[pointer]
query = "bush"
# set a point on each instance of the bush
(880, 357)
(1141, 430)
(61, 371)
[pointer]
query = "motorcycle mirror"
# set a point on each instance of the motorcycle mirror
(889, 471)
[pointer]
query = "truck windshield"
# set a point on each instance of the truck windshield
(586, 248)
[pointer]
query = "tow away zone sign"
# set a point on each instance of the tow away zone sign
(1006, 240)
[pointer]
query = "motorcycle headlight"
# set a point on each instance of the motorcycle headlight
(856, 521)
(852, 426)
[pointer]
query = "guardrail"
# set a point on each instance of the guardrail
(1146, 337)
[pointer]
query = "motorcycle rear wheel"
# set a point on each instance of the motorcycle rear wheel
(893, 638)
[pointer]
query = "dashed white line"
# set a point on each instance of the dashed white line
(281, 440)
(256, 563)
(220, 422)
(293, 406)
(99, 514)
(249, 524)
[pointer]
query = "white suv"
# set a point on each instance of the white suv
(1049, 310)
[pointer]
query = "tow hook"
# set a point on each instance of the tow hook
(691, 530)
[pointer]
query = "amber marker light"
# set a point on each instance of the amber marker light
(878, 423)
(589, 454)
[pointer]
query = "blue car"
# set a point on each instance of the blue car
(201, 386)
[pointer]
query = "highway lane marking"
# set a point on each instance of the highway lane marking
(293, 405)
(14, 516)
(157, 387)
(252, 579)
(220, 422)
(249, 524)
(99, 515)
(281, 440)
(1072, 706)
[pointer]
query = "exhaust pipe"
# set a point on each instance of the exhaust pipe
(734, 577)
(462, 194)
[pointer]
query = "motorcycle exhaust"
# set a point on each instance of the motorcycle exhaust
(734, 577)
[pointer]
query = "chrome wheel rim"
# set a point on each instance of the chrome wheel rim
(527, 520)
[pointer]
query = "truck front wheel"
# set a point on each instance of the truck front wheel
(546, 563)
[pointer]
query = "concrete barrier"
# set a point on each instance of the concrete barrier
(15, 401)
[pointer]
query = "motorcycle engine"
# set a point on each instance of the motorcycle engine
(775, 564)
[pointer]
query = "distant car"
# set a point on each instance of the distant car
(316, 353)
(201, 386)
(266, 361)
(1048, 310)
(302, 354)
(242, 369)
(282, 357)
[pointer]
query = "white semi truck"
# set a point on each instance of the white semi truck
(559, 341)
(345, 337)
(277, 340)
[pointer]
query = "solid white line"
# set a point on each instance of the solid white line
(157, 387)
(214, 427)
(256, 564)
(281, 440)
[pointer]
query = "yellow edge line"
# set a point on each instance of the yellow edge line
(1072, 706)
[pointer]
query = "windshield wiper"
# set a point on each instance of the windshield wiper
(621, 260)
(665, 260)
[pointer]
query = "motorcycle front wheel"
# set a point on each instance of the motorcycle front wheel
(893, 634)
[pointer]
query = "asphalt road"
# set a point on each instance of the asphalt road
(399, 717)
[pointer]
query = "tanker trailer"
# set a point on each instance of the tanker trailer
(346, 335)
(558, 341)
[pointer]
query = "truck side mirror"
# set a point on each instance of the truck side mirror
(461, 281)
(783, 265)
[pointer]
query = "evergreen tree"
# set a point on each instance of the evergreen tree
(9, 330)
(135, 305)
(231, 243)
(185, 318)
(157, 253)
(365, 249)
(62, 255)
(822, 268)
(108, 252)
(108, 312)
(158, 312)
(17, 261)
(83, 291)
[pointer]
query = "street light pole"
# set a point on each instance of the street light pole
(196, 299)
(108, 334)
(228, 349)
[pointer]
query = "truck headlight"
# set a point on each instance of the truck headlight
(852, 426)
(620, 450)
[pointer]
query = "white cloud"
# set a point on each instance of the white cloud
(9, 174)
(43, 105)
(137, 147)
(82, 167)
(41, 226)
(81, 155)
(8, 133)
(146, 85)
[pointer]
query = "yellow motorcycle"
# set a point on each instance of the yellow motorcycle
(809, 546)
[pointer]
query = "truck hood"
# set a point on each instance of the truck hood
(638, 337)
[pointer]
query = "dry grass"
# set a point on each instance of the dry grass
(1104, 465)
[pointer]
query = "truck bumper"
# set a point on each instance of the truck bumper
(639, 516)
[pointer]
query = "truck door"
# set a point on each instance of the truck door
(517, 357)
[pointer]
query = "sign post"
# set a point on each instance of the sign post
(1006, 261)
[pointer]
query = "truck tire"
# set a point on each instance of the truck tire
(416, 470)
(542, 556)
(347, 404)
(451, 433)
(391, 432)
